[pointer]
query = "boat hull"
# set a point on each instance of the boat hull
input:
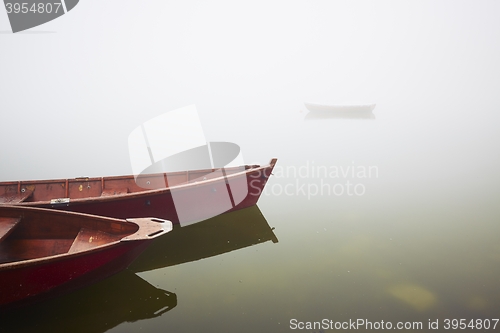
(32, 283)
(207, 200)
(201, 197)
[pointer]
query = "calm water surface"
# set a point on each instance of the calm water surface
(418, 241)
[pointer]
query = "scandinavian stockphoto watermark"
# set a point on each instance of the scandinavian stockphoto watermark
(26, 14)
(311, 179)
(356, 324)
(174, 143)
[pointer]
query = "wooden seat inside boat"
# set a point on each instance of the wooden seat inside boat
(17, 249)
(15, 197)
(87, 239)
(23, 246)
(12, 250)
(7, 224)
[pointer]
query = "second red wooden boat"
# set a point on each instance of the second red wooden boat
(45, 252)
(186, 197)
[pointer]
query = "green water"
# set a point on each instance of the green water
(416, 243)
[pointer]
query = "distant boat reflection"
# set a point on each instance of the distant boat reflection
(339, 115)
(218, 235)
(124, 297)
(339, 111)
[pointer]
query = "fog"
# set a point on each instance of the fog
(417, 241)
(73, 89)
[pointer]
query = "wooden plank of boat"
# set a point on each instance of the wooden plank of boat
(47, 252)
(6, 225)
(16, 196)
(204, 192)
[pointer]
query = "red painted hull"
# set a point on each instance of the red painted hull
(207, 201)
(200, 198)
(48, 279)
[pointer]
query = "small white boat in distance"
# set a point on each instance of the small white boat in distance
(338, 108)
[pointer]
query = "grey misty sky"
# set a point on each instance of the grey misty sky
(69, 97)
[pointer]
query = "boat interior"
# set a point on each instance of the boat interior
(30, 235)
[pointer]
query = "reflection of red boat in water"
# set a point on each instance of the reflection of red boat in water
(205, 192)
(46, 252)
(215, 236)
(124, 297)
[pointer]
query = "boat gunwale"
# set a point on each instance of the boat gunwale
(119, 177)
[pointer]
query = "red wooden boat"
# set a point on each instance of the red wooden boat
(46, 252)
(196, 194)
